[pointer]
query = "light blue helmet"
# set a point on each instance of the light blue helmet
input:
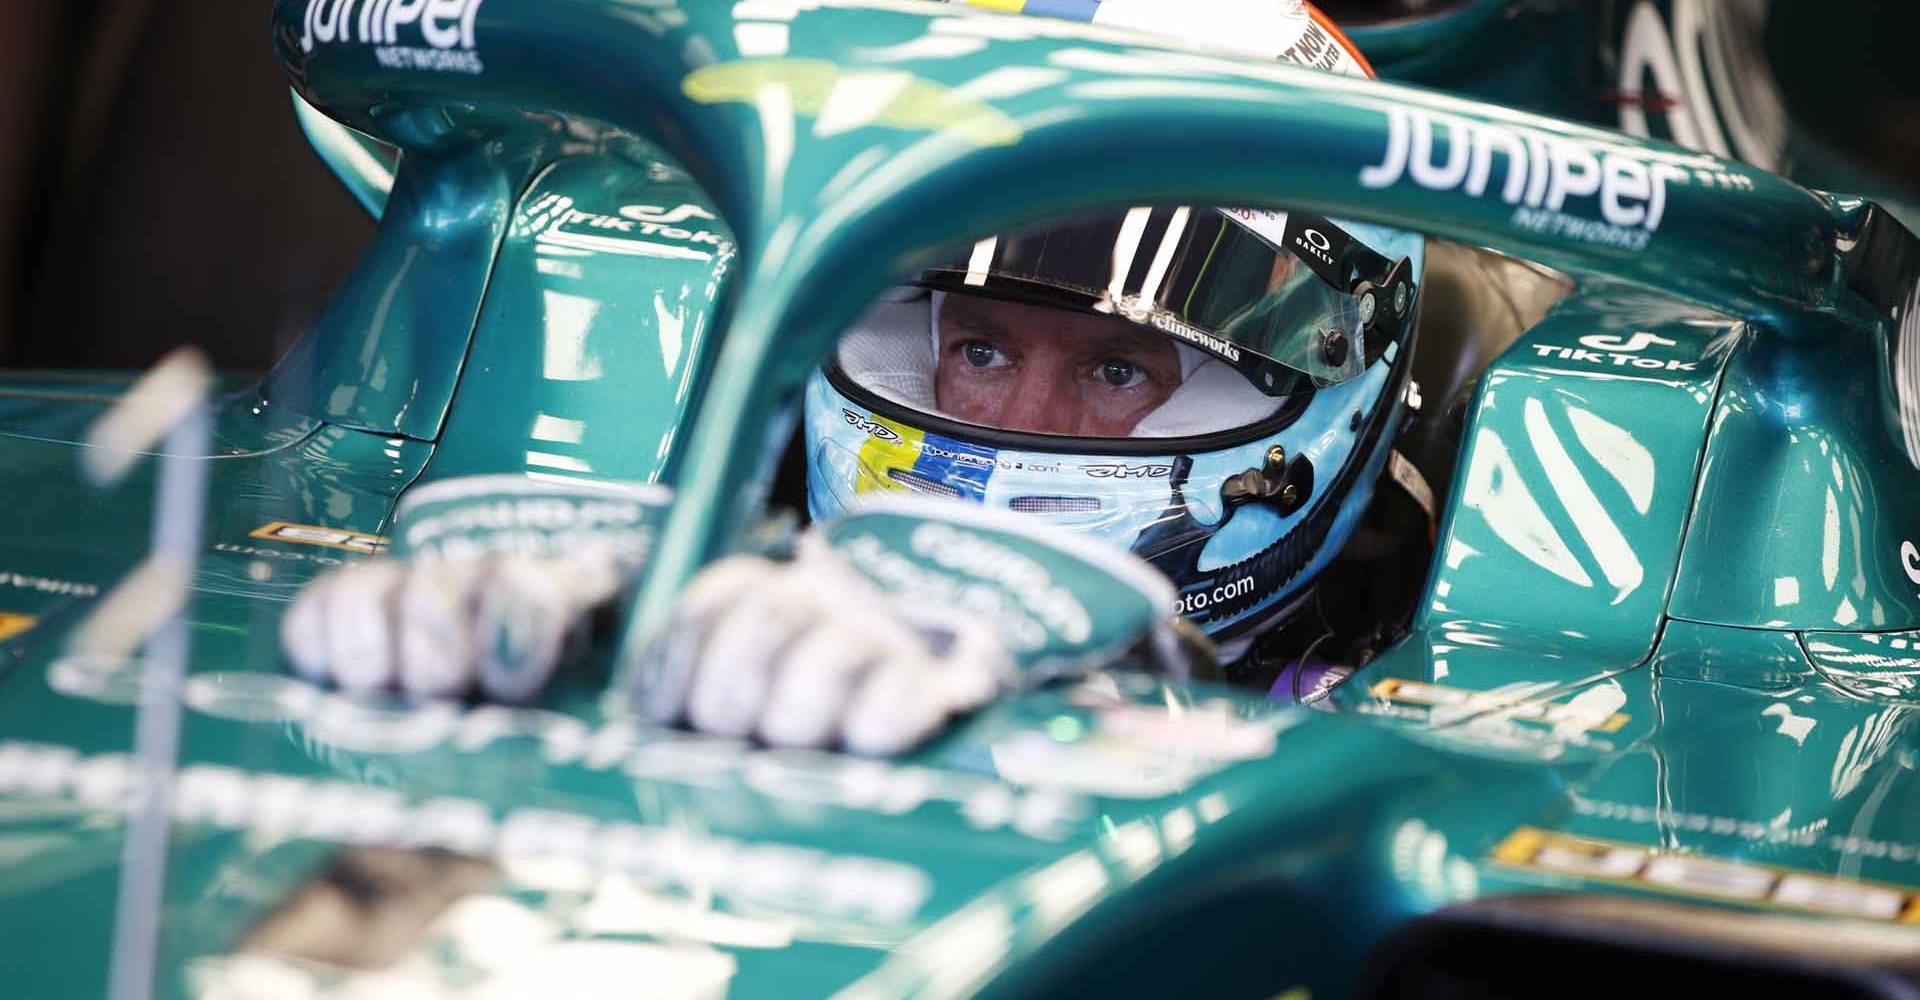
(1293, 334)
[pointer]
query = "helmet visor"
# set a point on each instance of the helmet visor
(1273, 294)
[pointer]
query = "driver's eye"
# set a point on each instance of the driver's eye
(981, 354)
(1119, 374)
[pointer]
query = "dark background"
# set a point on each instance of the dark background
(155, 189)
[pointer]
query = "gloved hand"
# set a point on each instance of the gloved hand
(889, 622)
(811, 653)
(490, 588)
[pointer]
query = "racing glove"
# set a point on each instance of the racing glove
(490, 589)
(882, 626)
(889, 622)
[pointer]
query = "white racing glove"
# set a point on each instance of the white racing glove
(491, 589)
(885, 625)
(442, 627)
(888, 623)
(811, 653)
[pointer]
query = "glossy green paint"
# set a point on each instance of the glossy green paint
(364, 166)
(1112, 837)
(587, 354)
(385, 356)
(1803, 511)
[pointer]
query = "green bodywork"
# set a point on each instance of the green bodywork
(1672, 615)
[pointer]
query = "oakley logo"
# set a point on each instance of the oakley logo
(1315, 244)
(1544, 176)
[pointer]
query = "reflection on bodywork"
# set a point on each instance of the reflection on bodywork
(1496, 488)
(1610, 548)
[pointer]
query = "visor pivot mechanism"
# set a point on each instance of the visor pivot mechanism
(1334, 347)
(1385, 302)
(1283, 484)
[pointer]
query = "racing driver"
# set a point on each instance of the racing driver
(1214, 389)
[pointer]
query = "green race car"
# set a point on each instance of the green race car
(1650, 725)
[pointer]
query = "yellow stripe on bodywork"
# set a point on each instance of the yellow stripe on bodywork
(1012, 5)
(12, 624)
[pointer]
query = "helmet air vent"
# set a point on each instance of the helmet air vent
(1040, 504)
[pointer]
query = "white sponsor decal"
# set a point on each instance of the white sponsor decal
(635, 230)
(1631, 345)
(1543, 176)
(1201, 600)
(47, 585)
(1910, 560)
(1617, 352)
(434, 35)
(1121, 470)
(1315, 243)
(1193, 335)
(1027, 578)
(334, 722)
(870, 425)
(1757, 831)
(257, 552)
(847, 886)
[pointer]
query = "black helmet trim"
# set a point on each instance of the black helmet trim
(1238, 284)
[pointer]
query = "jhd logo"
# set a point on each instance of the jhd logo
(434, 35)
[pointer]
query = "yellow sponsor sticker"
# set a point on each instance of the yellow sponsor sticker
(1699, 877)
(1463, 701)
(12, 624)
(312, 534)
(887, 455)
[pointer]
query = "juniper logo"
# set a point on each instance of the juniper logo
(1556, 184)
(433, 35)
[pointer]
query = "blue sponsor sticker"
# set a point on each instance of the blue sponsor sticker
(960, 465)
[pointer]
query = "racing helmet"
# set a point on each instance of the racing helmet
(1276, 345)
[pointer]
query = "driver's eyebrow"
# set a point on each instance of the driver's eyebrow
(972, 319)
